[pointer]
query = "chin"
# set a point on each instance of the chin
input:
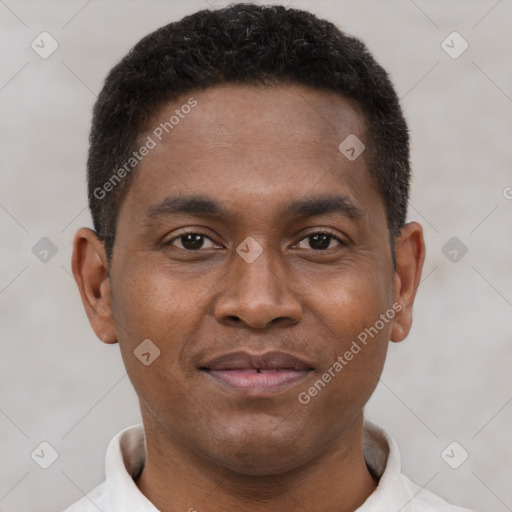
(260, 454)
(252, 463)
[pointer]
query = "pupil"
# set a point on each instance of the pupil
(192, 241)
(320, 241)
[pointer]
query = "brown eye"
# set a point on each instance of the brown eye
(319, 241)
(192, 242)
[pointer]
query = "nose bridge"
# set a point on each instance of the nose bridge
(261, 278)
(256, 292)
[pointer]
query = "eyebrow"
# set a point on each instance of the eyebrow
(323, 205)
(201, 205)
(191, 205)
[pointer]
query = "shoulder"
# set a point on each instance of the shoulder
(395, 491)
(426, 501)
(92, 501)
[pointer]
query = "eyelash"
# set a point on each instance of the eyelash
(332, 236)
(185, 233)
(170, 242)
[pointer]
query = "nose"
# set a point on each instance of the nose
(257, 295)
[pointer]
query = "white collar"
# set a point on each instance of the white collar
(395, 492)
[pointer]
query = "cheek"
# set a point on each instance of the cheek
(150, 302)
(351, 312)
(350, 302)
(152, 306)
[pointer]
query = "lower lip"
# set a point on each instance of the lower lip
(253, 382)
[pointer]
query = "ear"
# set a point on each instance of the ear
(410, 255)
(90, 268)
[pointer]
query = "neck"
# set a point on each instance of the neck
(174, 479)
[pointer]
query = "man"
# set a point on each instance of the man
(248, 180)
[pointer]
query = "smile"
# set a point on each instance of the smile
(257, 375)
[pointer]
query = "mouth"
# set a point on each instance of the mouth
(257, 374)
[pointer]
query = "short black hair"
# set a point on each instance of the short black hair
(242, 44)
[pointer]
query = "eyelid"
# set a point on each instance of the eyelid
(189, 231)
(203, 232)
(323, 231)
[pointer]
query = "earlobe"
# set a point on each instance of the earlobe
(410, 255)
(90, 269)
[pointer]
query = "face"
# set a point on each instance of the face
(255, 256)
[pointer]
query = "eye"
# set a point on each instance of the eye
(319, 241)
(192, 242)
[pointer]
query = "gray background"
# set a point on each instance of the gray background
(450, 381)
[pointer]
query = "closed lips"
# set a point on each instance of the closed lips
(257, 374)
(270, 361)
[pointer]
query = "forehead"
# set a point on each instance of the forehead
(270, 144)
(239, 115)
(274, 107)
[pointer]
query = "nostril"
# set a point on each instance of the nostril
(233, 318)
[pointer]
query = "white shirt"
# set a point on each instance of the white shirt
(126, 455)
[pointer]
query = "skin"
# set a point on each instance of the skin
(254, 150)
